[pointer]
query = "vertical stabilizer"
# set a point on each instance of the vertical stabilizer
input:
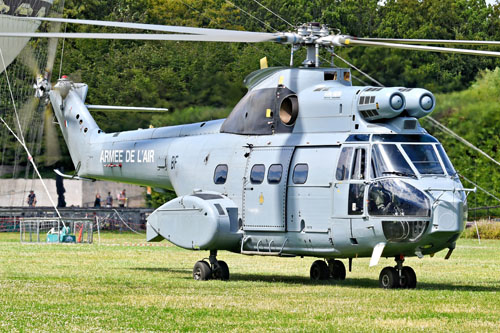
(75, 120)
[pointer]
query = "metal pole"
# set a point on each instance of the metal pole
(98, 232)
(475, 199)
(477, 231)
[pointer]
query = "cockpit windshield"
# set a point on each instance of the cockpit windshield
(387, 160)
(424, 159)
(446, 161)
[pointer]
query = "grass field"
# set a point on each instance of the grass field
(119, 287)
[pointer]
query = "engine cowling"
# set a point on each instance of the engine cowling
(380, 103)
(419, 102)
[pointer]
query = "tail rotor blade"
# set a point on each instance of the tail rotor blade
(52, 48)
(27, 110)
(28, 58)
(52, 148)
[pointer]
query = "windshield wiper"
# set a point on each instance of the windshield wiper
(399, 173)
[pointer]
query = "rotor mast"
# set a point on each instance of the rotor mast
(308, 35)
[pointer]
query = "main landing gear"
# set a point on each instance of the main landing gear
(216, 269)
(398, 276)
(332, 269)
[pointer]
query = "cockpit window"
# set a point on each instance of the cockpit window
(394, 197)
(359, 165)
(446, 161)
(344, 163)
(403, 138)
(387, 160)
(424, 158)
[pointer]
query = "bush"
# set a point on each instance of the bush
(487, 230)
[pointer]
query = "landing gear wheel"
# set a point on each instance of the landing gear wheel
(389, 278)
(319, 271)
(202, 271)
(222, 272)
(408, 278)
(337, 269)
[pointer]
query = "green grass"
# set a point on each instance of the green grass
(118, 287)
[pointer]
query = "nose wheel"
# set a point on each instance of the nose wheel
(216, 269)
(398, 276)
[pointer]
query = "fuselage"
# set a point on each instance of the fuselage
(331, 185)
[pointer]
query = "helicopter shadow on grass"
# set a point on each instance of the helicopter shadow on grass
(356, 283)
(162, 270)
(303, 280)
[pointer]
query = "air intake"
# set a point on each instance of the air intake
(380, 103)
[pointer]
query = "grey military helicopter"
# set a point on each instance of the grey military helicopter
(306, 164)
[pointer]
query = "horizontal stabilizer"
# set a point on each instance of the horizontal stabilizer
(59, 173)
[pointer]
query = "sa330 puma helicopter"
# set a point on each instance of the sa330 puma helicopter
(305, 165)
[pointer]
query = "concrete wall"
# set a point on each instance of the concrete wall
(14, 192)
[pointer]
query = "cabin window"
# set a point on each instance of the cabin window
(257, 174)
(274, 174)
(344, 163)
(300, 173)
(359, 165)
(220, 174)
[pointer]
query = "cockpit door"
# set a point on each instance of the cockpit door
(350, 187)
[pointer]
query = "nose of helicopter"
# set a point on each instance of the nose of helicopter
(448, 214)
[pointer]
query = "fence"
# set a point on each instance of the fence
(492, 213)
(115, 219)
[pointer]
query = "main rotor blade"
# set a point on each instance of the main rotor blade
(152, 27)
(237, 38)
(123, 108)
(433, 41)
(349, 41)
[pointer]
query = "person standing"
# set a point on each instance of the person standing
(109, 200)
(122, 199)
(97, 201)
(31, 199)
